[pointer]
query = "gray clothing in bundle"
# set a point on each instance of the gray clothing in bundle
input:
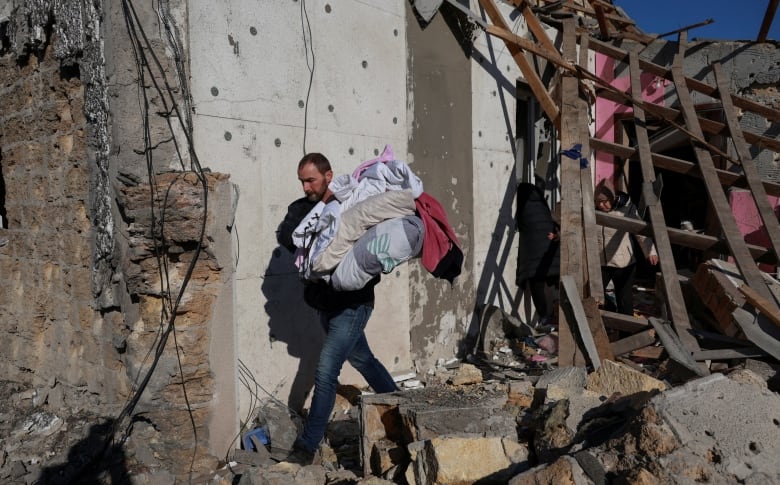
(379, 250)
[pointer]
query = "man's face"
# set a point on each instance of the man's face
(314, 183)
(604, 205)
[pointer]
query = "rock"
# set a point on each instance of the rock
(521, 393)
(457, 459)
(564, 471)
(467, 374)
(552, 434)
(613, 377)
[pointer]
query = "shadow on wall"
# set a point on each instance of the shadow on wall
(292, 322)
(90, 461)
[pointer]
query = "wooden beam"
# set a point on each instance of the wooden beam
(748, 165)
(622, 55)
(675, 348)
(677, 165)
(728, 354)
(634, 342)
(535, 26)
(765, 306)
(688, 239)
(592, 275)
(686, 28)
(571, 300)
(624, 323)
(532, 78)
(602, 20)
(610, 92)
(674, 296)
(753, 326)
(769, 17)
(717, 197)
(571, 201)
(707, 125)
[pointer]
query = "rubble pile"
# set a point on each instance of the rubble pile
(613, 425)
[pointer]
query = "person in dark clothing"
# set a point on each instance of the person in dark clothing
(538, 257)
(343, 316)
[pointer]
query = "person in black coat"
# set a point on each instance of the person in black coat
(538, 257)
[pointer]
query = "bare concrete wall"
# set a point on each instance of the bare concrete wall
(440, 144)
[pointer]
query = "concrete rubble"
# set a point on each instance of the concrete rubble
(614, 425)
(468, 422)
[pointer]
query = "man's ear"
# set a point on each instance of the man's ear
(328, 176)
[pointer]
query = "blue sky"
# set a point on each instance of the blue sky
(733, 20)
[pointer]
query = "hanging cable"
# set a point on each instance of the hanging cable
(309, 48)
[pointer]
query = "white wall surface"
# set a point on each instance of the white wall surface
(250, 80)
(494, 81)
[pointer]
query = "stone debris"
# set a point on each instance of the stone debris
(565, 425)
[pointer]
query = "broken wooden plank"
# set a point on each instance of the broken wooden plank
(717, 197)
(728, 354)
(652, 352)
(528, 71)
(675, 348)
(670, 114)
(624, 323)
(592, 273)
(677, 165)
(634, 342)
(680, 237)
(596, 326)
(751, 325)
(571, 300)
(766, 23)
(673, 291)
(619, 54)
(748, 165)
(571, 232)
(765, 306)
(606, 32)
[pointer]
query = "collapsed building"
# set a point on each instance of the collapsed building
(148, 152)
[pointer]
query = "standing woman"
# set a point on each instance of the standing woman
(618, 263)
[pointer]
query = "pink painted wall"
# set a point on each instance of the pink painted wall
(749, 221)
(653, 89)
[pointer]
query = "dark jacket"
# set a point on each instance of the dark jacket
(538, 257)
(295, 214)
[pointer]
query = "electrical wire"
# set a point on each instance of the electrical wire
(309, 48)
(140, 46)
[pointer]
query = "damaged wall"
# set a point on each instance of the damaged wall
(268, 84)
(89, 289)
(752, 70)
(345, 80)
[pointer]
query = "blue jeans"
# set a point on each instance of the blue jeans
(345, 340)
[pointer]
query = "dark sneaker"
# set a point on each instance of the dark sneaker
(300, 456)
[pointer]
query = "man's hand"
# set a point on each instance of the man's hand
(553, 236)
(653, 259)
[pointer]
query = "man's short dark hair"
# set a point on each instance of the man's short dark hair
(319, 161)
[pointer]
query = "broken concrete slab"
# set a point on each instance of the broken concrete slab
(464, 459)
(734, 421)
(421, 414)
